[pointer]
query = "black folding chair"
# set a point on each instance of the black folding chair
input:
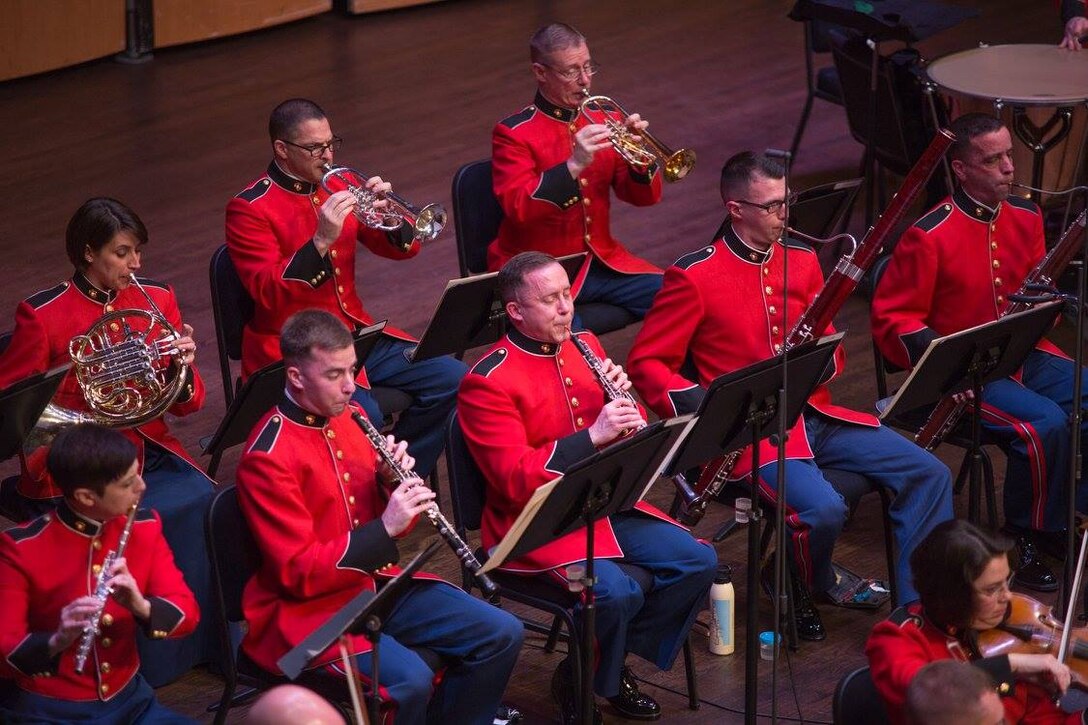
(856, 700)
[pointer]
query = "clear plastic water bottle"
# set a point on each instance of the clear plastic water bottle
(722, 612)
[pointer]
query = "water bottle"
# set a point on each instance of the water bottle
(722, 600)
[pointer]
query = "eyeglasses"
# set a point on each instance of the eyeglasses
(771, 207)
(572, 74)
(317, 150)
(995, 590)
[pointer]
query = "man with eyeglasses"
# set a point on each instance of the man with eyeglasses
(722, 306)
(294, 247)
(553, 171)
(955, 269)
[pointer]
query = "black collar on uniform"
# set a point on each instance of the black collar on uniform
(549, 109)
(293, 412)
(288, 182)
(742, 250)
(972, 208)
(90, 291)
(531, 346)
(79, 524)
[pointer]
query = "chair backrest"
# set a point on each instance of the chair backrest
(902, 130)
(232, 308)
(857, 700)
(467, 482)
(233, 552)
(476, 215)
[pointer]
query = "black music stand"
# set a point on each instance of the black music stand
(262, 390)
(470, 314)
(740, 408)
(967, 360)
(22, 404)
(370, 609)
(608, 482)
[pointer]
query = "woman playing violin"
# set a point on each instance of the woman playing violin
(962, 576)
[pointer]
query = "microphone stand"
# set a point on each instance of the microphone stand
(781, 601)
(1076, 415)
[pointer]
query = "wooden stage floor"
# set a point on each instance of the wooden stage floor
(415, 94)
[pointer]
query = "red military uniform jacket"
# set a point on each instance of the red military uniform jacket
(955, 269)
(525, 409)
(722, 306)
(307, 488)
(55, 559)
(46, 322)
(548, 211)
(907, 641)
(270, 229)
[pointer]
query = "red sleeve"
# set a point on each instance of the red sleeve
(895, 653)
(385, 244)
(28, 351)
(15, 593)
(306, 562)
(904, 299)
(662, 345)
(495, 433)
(635, 187)
(525, 194)
(191, 399)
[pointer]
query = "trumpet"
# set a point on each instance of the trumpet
(427, 223)
(639, 151)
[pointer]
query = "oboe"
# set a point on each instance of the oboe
(460, 548)
(102, 592)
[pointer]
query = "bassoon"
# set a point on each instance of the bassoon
(948, 412)
(843, 280)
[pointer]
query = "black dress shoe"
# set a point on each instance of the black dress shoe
(807, 618)
(631, 703)
(563, 689)
(1032, 572)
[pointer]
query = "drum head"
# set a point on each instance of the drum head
(1044, 75)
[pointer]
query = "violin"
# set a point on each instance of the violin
(1030, 627)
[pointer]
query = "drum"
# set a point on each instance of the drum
(1040, 92)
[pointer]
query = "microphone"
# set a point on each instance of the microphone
(778, 154)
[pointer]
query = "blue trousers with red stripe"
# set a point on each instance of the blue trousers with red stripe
(815, 511)
(1030, 422)
(478, 641)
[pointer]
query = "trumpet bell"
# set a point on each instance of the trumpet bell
(430, 222)
(678, 165)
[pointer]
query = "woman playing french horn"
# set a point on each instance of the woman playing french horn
(104, 304)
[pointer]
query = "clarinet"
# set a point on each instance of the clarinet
(947, 414)
(102, 592)
(611, 391)
(460, 548)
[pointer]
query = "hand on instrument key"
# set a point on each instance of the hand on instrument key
(588, 141)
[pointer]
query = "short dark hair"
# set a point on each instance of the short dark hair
(96, 222)
(511, 277)
(946, 692)
(551, 38)
(289, 115)
(309, 329)
(970, 126)
(742, 168)
(87, 455)
(946, 564)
